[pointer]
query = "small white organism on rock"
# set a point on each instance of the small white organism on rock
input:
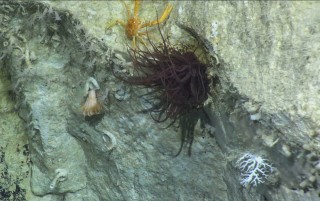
(61, 175)
(112, 138)
(253, 169)
(214, 29)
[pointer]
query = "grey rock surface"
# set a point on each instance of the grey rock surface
(266, 103)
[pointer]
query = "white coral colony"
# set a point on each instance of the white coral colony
(253, 169)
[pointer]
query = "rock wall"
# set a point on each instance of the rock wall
(265, 103)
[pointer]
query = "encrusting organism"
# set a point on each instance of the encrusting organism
(92, 105)
(178, 81)
(134, 23)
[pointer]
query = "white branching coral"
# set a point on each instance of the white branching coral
(253, 169)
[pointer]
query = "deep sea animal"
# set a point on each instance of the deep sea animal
(91, 106)
(177, 77)
(134, 23)
(178, 81)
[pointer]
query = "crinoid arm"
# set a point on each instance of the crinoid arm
(127, 9)
(115, 22)
(136, 8)
(163, 17)
(109, 25)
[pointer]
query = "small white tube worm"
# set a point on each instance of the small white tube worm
(61, 175)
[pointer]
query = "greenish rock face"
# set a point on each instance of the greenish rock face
(14, 149)
(266, 103)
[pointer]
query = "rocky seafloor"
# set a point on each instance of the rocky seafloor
(263, 113)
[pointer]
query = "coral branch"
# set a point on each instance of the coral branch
(253, 169)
